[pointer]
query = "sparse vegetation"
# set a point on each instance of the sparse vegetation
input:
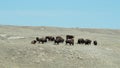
(20, 53)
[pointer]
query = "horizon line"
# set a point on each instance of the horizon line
(58, 26)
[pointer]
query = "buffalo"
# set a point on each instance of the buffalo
(81, 41)
(69, 37)
(95, 42)
(58, 37)
(41, 40)
(58, 40)
(37, 38)
(88, 42)
(70, 41)
(50, 38)
(33, 42)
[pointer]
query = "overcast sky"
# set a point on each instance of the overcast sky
(61, 13)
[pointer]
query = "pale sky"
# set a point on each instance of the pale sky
(61, 13)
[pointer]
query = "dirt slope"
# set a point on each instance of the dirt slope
(17, 52)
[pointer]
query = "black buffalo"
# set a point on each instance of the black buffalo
(37, 38)
(50, 38)
(69, 37)
(81, 41)
(69, 41)
(33, 42)
(58, 40)
(95, 42)
(41, 40)
(88, 42)
(58, 37)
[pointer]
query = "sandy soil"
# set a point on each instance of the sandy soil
(17, 52)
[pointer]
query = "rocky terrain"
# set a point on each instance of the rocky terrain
(16, 51)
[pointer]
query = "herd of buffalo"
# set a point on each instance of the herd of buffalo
(58, 39)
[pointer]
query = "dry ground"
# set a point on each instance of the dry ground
(17, 52)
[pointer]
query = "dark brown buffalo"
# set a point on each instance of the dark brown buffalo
(81, 41)
(50, 38)
(58, 40)
(33, 42)
(58, 37)
(69, 37)
(95, 42)
(37, 38)
(70, 41)
(87, 42)
(41, 40)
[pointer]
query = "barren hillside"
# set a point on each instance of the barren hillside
(16, 51)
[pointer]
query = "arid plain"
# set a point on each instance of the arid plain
(16, 51)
